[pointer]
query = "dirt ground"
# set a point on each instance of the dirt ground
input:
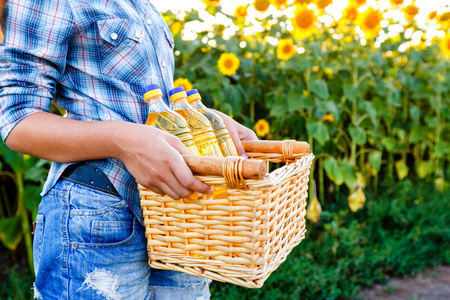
(431, 284)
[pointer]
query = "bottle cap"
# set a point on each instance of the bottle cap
(193, 95)
(177, 93)
(151, 91)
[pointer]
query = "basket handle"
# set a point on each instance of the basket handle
(218, 166)
(275, 146)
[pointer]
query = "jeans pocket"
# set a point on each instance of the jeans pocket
(37, 240)
(110, 231)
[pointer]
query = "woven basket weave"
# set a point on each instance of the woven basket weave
(240, 237)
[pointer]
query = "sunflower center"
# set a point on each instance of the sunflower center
(228, 63)
(448, 44)
(372, 20)
(287, 49)
(304, 20)
(351, 15)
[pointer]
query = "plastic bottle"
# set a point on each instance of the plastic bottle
(162, 117)
(201, 129)
(220, 130)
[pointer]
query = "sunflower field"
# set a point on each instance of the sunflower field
(369, 90)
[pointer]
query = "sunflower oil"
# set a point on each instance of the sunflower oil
(201, 129)
(162, 117)
(220, 130)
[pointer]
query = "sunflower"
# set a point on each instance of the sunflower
(444, 20)
(261, 5)
(350, 13)
(262, 128)
(432, 15)
(184, 83)
(369, 22)
(240, 12)
(228, 63)
(411, 11)
(445, 45)
(323, 3)
(303, 1)
(176, 27)
(304, 22)
(359, 2)
(285, 49)
(328, 118)
(314, 211)
(279, 4)
(396, 2)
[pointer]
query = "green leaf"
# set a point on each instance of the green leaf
(349, 172)
(333, 170)
(418, 133)
(389, 143)
(318, 131)
(402, 169)
(414, 112)
(11, 232)
(369, 108)
(295, 100)
(320, 88)
(432, 122)
(351, 92)
(329, 107)
(358, 135)
(425, 168)
(279, 109)
(375, 160)
(32, 196)
(235, 98)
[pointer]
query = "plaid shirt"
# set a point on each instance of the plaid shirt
(90, 57)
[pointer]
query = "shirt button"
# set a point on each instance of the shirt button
(163, 64)
(114, 36)
(148, 21)
(138, 35)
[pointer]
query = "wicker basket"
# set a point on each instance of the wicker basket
(239, 237)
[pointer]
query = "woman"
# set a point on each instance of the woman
(93, 58)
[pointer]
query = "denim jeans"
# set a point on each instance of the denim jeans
(89, 245)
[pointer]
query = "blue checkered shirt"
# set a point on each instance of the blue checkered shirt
(90, 57)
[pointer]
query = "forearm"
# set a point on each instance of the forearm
(59, 139)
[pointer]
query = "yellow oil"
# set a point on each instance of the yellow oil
(202, 133)
(223, 137)
(200, 127)
(173, 124)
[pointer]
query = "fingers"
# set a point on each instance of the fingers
(188, 181)
(177, 144)
(247, 134)
(238, 144)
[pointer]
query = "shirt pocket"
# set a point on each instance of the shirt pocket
(121, 51)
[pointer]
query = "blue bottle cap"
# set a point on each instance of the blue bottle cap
(150, 87)
(176, 90)
(192, 92)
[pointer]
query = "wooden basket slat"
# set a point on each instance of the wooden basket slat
(240, 237)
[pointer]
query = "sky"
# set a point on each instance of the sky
(335, 9)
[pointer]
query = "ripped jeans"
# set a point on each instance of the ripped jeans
(89, 245)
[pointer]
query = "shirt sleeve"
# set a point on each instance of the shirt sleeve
(32, 57)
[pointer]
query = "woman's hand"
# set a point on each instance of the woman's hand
(154, 158)
(237, 132)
